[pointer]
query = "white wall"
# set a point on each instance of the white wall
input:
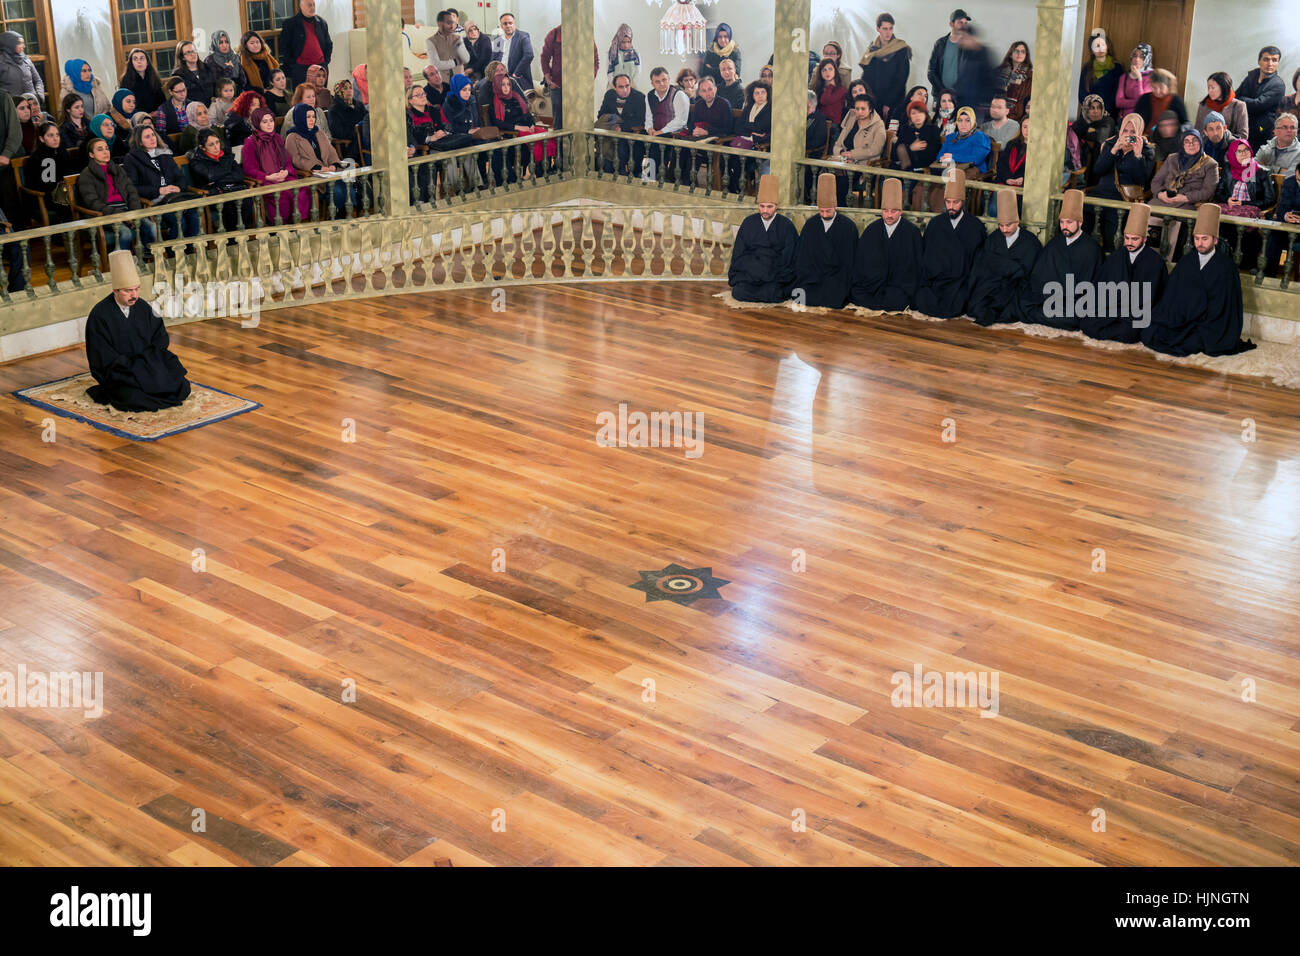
(1236, 50)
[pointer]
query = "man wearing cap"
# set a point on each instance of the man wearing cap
(1067, 264)
(823, 266)
(1136, 268)
(127, 348)
(949, 246)
(887, 271)
(947, 56)
(762, 259)
(1000, 279)
(1200, 310)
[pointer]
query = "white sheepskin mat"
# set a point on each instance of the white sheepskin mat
(1274, 361)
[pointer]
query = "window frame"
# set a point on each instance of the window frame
(49, 65)
(184, 31)
(267, 35)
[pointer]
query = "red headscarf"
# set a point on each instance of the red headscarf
(500, 82)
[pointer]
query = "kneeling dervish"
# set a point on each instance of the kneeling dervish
(127, 348)
(762, 259)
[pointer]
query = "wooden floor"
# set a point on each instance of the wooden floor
(520, 697)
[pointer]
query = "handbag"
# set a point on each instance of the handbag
(486, 134)
(1132, 193)
(742, 142)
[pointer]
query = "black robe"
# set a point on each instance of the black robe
(887, 271)
(823, 266)
(1057, 261)
(949, 255)
(129, 358)
(762, 260)
(999, 282)
(1148, 270)
(1201, 308)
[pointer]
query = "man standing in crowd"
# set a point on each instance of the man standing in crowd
(1281, 153)
(885, 67)
(305, 41)
(1068, 262)
(446, 48)
(887, 270)
(947, 54)
(762, 259)
(127, 347)
(514, 48)
(949, 247)
(823, 264)
(667, 110)
(553, 71)
(1201, 309)
(1000, 278)
(1262, 91)
(1137, 268)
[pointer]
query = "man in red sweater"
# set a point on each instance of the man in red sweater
(552, 69)
(305, 41)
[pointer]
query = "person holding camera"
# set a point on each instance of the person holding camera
(1125, 164)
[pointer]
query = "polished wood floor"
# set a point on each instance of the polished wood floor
(519, 697)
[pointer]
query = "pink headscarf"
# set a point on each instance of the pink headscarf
(360, 85)
(1242, 173)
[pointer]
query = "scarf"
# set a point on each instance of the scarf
(251, 62)
(499, 104)
(9, 41)
(1101, 67)
(268, 148)
(360, 84)
(1218, 105)
(1145, 50)
(1017, 151)
(191, 111)
(118, 99)
(72, 68)
(1087, 102)
(723, 52)
(617, 54)
(966, 111)
(96, 124)
(228, 60)
(1242, 173)
(882, 52)
(453, 105)
(298, 122)
(1185, 159)
(1158, 105)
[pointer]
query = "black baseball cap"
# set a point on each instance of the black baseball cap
(959, 14)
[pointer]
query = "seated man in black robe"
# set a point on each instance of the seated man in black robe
(950, 244)
(887, 271)
(999, 287)
(823, 266)
(1129, 284)
(1201, 309)
(126, 348)
(762, 259)
(1066, 270)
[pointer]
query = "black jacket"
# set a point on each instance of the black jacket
(887, 78)
(198, 83)
(717, 117)
(1132, 170)
(759, 130)
(293, 36)
(149, 174)
(217, 174)
(921, 158)
(1262, 102)
(1260, 188)
(966, 60)
(633, 115)
(92, 187)
(815, 132)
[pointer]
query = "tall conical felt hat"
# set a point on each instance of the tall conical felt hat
(121, 267)
(955, 185)
(826, 191)
(891, 196)
(1008, 210)
(768, 188)
(1139, 215)
(1207, 220)
(1072, 205)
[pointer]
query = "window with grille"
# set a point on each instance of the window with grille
(154, 26)
(31, 19)
(266, 17)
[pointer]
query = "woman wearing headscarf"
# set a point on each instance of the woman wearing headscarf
(1093, 127)
(103, 127)
(623, 57)
(256, 61)
(484, 88)
(223, 62)
(1186, 179)
(508, 113)
(966, 146)
(360, 85)
(480, 49)
(146, 119)
(310, 151)
(1122, 172)
(18, 74)
(266, 161)
(460, 117)
(347, 113)
(141, 79)
(722, 48)
(1248, 187)
(159, 179)
(1136, 81)
(79, 78)
(122, 107)
(198, 119)
(198, 78)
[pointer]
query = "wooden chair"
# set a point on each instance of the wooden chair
(880, 162)
(81, 212)
(362, 151)
(175, 141)
(16, 164)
